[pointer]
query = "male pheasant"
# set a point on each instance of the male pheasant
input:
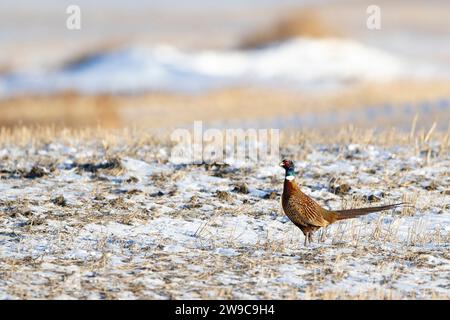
(309, 216)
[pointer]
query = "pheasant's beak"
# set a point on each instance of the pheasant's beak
(281, 164)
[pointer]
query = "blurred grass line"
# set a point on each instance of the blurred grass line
(166, 110)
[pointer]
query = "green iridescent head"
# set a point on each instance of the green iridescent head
(288, 165)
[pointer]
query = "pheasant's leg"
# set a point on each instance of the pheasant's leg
(306, 238)
(310, 237)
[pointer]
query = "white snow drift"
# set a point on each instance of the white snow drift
(301, 63)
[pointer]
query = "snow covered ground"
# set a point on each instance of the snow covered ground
(88, 220)
(299, 64)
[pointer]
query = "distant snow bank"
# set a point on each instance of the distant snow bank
(303, 63)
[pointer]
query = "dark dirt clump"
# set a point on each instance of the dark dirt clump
(60, 201)
(241, 188)
(36, 172)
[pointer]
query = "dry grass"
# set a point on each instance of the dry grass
(389, 137)
(304, 22)
(164, 110)
(135, 137)
(65, 110)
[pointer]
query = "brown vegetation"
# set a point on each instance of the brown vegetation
(164, 110)
(64, 110)
(299, 23)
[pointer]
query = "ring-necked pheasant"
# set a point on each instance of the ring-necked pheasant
(309, 216)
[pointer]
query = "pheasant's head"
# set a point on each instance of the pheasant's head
(288, 165)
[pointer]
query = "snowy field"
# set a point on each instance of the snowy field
(101, 220)
(299, 64)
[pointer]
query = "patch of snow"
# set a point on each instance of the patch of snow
(138, 168)
(228, 252)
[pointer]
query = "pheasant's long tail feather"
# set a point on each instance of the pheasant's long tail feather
(353, 213)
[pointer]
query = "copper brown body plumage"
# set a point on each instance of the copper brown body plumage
(307, 214)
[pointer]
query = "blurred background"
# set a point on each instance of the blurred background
(253, 63)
